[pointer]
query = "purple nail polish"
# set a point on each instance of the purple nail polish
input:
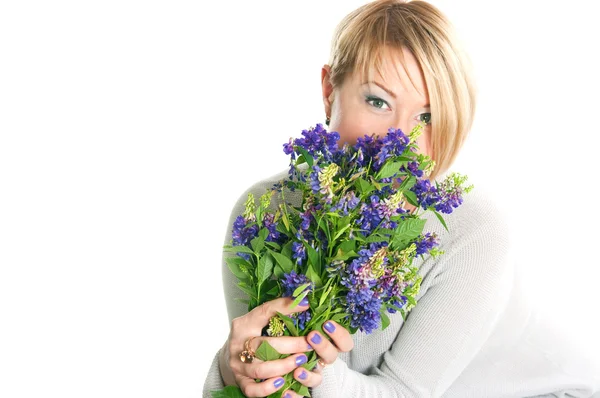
(301, 360)
(287, 395)
(309, 347)
(303, 302)
(329, 327)
(303, 375)
(316, 338)
(279, 382)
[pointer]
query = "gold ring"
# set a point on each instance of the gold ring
(248, 355)
(321, 363)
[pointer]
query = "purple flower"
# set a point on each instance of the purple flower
(363, 307)
(393, 144)
(317, 142)
(367, 147)
(301, 319)
(347, 202)
(413, 168)
(292, 280)
(243, 233)
(298, 252)
(425, 243)
(274, 235)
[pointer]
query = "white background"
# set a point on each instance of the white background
(128, 130)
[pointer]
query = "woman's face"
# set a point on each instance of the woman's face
(358, 108)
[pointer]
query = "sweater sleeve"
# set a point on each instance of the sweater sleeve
(450, 322)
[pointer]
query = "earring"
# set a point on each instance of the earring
(327, 120)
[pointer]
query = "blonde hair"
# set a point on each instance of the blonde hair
(358, 44)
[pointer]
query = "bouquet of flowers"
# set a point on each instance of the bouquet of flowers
(349, 247)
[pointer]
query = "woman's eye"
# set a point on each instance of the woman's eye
(426, 119)
(377, 102)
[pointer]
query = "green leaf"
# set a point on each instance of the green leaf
(307, 157)
(257, 244)
(263, 233)
(273, 245)
(234, 266)
(265, 268)
(266, 352)
(339, 317)
(411, 300)
(303, 391)
(363, 186)
(287, 249)
(407, 183)
(344, 255)
(439, 216)
(313, 257)
(341, 231)
(409, 229)
(289, 323)
(348, 245)
(237, 249)
(278, 271)
(299, 298)
(313, 276)
(286, 264)
(385, 320)
(411, 198)
(274, 290)
(248, 290)
(324, 295)
(300, 289)
(376, 238)
(389, 169)
(228, 392)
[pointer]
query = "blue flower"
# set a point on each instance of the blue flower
(298, 252)
(426, 242)
(292, 280)
(243, 233)
(367, 147)
(317, 142)
(363, 307)
(301, 319)
(393, 144)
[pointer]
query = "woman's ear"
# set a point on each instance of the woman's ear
(327, 89)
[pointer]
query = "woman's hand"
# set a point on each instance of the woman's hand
(327, 351)
(236, 372)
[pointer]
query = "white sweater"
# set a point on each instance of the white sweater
(471, 334)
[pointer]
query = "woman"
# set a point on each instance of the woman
(395, 64)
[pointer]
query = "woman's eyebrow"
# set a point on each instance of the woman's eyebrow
(390, 92)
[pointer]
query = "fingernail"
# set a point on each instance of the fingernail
(300, 360)
(287, 395)
(303, 375)
(329, 327)
(316, 338)
(304, 302)
(309, 347)
(279, 382)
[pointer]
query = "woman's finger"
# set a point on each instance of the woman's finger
(339, 335)
(251, 388)
(252, 323)
(308, 378)
(323, 347)
(267, 369)
(283, 344)
(292, 394)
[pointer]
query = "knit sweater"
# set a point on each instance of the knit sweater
(471, 334)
